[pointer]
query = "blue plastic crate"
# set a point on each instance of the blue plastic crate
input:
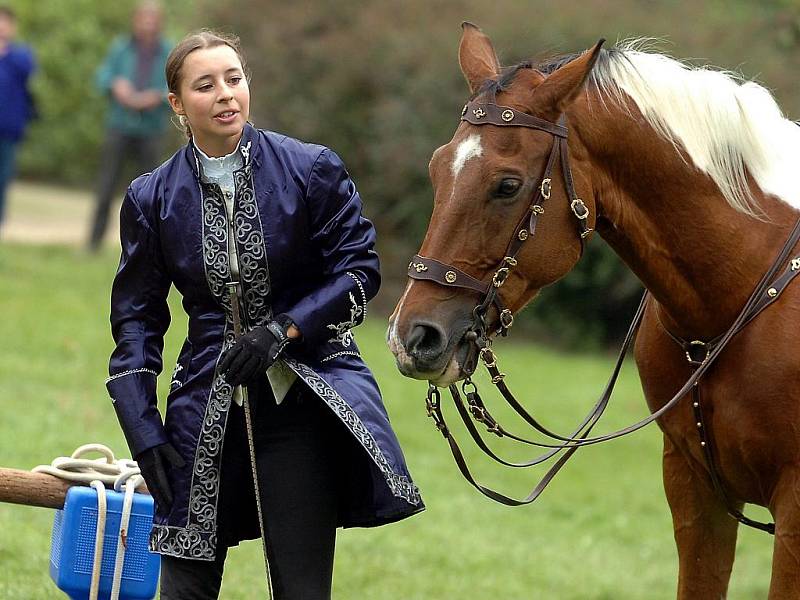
(72, 549)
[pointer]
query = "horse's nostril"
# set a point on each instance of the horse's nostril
(425, 343)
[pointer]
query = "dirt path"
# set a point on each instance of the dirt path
(45, 214)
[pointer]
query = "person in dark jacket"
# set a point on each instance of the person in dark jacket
(16, 106)
(263, 236)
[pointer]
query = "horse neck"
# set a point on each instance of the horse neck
(699, 257)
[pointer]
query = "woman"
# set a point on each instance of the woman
(263, 236)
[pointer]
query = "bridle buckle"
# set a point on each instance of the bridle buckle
(579, 209)
(433, 407)
(487, 356)
(500, 276)
(506, 318)
(546, 188)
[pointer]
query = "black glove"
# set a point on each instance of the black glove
(255, 351)
(154, 464)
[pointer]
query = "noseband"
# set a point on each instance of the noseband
(424, 268)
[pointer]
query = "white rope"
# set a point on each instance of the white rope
(100, 473)
(129, 480)
(99, 537)
(85, 470)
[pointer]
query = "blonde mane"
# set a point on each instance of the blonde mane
(727, 127)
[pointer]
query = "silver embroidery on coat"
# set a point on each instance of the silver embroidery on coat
(342, 353)
(253, 267)
(355, 278)
(198, 539)
(131, 372)
(342, 330)
(175, 382)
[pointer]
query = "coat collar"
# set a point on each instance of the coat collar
(248, 146)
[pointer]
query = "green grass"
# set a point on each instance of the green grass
(601, 531)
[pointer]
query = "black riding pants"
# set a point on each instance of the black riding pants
(295, 451)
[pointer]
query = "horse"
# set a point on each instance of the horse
(689, 174)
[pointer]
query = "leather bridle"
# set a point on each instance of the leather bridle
(424, 268)
(429, 269)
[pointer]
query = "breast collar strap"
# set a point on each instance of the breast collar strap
(697, 353)
(424, 268)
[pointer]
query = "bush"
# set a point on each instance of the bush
(70, 40)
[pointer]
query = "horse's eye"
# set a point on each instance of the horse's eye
(508, 188)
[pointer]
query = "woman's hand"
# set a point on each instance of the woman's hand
(154, 464)
(256, 351)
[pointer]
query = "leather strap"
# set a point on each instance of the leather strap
(582, 431)
(489, 113)
(713, 471)
(577, 205)
(772, 293)
(768, 296)
(424, 268)
(462, 464)
(430, 269)
(696, 353)
(483, 113)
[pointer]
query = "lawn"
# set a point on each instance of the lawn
(601, 531)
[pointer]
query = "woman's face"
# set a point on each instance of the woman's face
(214, 97)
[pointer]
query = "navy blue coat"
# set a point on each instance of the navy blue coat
(304, 250)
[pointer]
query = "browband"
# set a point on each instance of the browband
(483, 113)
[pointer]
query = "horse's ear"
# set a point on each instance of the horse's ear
(476, 56)
(561, 87)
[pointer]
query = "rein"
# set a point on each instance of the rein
(423, 268)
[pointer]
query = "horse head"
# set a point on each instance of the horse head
(495, 185)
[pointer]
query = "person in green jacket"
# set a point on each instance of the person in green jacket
(132, 76)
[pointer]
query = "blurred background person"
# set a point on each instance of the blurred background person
(16, 104)
(133, 77)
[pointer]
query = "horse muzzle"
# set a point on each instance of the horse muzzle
(427, 352)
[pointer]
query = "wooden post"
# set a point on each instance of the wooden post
(36, 489)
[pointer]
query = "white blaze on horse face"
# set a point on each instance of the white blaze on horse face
(469, 148)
